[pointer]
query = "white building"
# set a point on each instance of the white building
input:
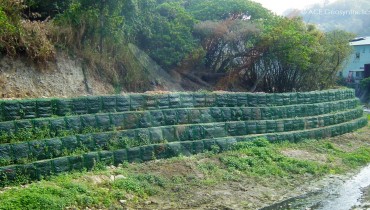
(359, 60)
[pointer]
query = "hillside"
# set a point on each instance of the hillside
(350, 15)
(193, 44)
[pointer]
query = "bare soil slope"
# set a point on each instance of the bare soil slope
(63, 78)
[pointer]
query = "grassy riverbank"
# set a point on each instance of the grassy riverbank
(250, 176)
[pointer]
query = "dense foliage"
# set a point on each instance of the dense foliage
(244, 44)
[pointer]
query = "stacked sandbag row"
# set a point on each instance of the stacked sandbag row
(18, 153)
(90, 160)
(41, 108)
(24, 130)
(50, 136)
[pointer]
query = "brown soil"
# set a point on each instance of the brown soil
(63, 78)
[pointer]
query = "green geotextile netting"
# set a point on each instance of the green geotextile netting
(38, 108)
(56, 147)
(88, 161)
(142, 119)
(41, 137)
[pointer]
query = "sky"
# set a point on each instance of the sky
(279, 6)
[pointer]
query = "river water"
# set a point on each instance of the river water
(337, 196)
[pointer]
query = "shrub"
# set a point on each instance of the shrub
(20, 36)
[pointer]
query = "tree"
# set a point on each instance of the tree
(224, 9)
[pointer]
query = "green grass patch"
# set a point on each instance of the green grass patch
(260, 158)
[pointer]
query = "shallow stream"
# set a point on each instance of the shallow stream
(338, 195)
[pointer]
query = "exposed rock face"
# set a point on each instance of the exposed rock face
(63, 78)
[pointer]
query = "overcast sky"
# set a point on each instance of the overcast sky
(279, 6)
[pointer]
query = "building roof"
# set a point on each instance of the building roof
(360, 41)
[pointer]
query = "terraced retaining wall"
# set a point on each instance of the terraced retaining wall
(42, 137)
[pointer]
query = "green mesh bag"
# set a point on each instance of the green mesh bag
(225, 144)
(205, 116)
(120, 156)
(5, 155)
(236, 114)
(232, 99)
(38, 150)
(236, 128)
(131, 120)
(143, 136)
(261, 99)
(182, 133)
(28, 109)
(286, 99)
(147, 153)
(261, 127)
(157, 118)
(88, 121)
(103, 121)
(186, 100)
(163, 101)
(199, 99)
(217, 114)
(187, 148)
(118, 120)
(156, 135)
(11, 110)
(270, 99)
(209, 144)
(23, 125)
(169, 134)
(242, 99)
(252, 100)
(150, 102)
(194, 116)
(210, 99)
(251, 127)
(122, 103)
(220, 130)
(94, 104)
(198, 147)
(174, 100)
(70, 143)
(134, 155)
(63, 106)
(73, 123)
(271, 126)
(86, 141)
(43, 168)
(76, 163)
(137, 102)
(57, 126)
(91, 160)
(246, 113)
(195, 132)
(54, 147)
(170, 117)
(182, 116)
(174, 149)
(61, 165)
(279, 101)
(226, 114)
(208, 131)
(106, 157)
(221, 100)
(162, 151)
(102, 140)
(79, 106)
(20, 152)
